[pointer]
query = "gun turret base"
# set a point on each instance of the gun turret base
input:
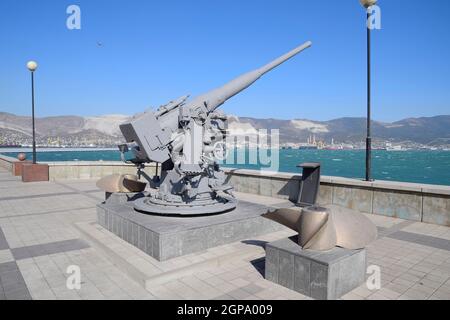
(152, 205)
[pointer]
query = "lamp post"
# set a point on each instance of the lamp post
(32, 66)
(367, 4)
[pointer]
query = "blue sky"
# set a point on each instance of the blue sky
(155, 51)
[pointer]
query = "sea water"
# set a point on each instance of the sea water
(430, 167)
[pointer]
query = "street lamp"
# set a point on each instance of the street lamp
(32, 66)
(367, 4)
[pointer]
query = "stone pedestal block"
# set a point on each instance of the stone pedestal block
(324, 275)
(17, 169)
(166, 237)
(34, 172)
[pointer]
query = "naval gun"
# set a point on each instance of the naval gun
(184, 137)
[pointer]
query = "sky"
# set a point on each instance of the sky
(131, 55)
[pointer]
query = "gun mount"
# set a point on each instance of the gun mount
(183, 136)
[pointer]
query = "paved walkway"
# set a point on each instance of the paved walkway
(47, 227)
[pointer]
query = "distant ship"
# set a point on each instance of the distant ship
(390, 147)
(308, 146)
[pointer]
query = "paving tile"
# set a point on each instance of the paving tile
(429, 283)
(239, 282)
(214, 281)
(440, 296)
(239, 294)
(413, 256)
(377, 296)
(406, 297)
(11, 278)
(403, 282)
(12, 283)
(204, 275)
(417, 294)
(20, 293)
(182, 290)
(34, 196)
(6, 256)
(409, 277)
(388, 293)
(252, 288)
(362, 291)
(425, 240)
(224, 297)
(417, 273)
(48, 248)
(8, 266)
(351, 296)
(161, 292)
(226, 287)
(3, 243)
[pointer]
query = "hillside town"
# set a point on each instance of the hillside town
(10, 138)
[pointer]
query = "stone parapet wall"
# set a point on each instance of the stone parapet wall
(410, 201)
(7, 163)
(92, 169)
(68, 170)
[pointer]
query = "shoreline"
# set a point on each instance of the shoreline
(81, 149)
(29, 149)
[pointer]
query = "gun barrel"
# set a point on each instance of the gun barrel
(215, 98)
(272, 65)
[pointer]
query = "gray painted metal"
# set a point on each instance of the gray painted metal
(309, 185)
(222, 204)
(185, 136)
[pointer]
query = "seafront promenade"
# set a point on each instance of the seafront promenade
(47, 227)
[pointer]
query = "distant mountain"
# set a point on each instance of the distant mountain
(62, 130)
(63, 125)
(431, 130)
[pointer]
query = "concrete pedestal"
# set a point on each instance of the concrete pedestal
(320, 275)
(164, 237)
(34, 172)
